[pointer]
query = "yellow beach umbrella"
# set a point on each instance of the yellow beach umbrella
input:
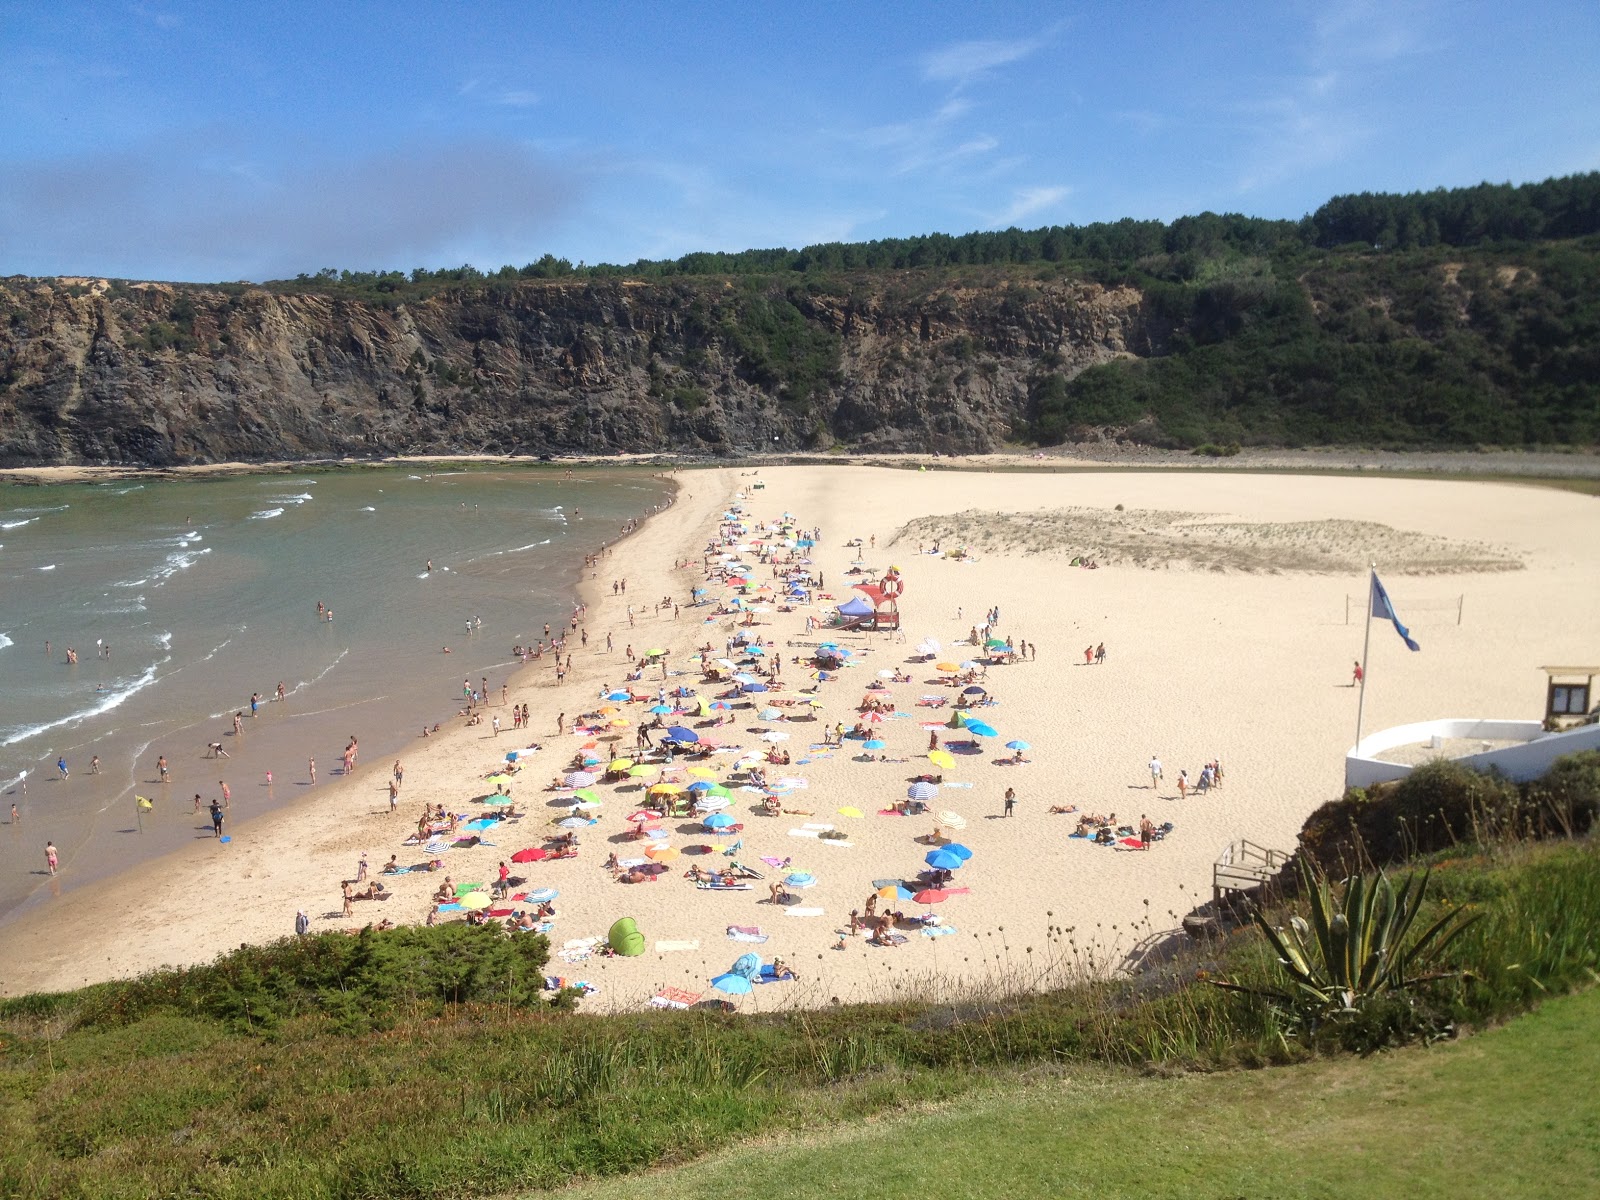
(702, 772)
(945, 666)
(943, 759)
(620, 722)
(620, 764)
(608, 709)
(851, 812)
(640, 771)
(475, 900)
(666, 789)
(662, 853)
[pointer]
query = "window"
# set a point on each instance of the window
(1569, 699)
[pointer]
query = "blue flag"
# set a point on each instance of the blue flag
(1382, 608)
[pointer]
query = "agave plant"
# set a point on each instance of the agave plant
(1355, 947)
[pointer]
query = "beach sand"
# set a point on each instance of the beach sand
(1226, 635)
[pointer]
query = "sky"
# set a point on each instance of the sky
(237, 140)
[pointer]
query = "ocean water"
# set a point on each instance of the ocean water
(205, 591)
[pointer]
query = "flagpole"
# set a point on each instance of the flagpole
(1366, 645)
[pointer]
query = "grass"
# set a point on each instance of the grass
(178, 1085)
(1510, 1113)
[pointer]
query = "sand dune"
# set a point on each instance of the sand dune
(1204, 541)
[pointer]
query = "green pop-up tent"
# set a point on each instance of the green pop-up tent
(625, 938)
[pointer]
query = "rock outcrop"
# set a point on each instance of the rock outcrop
(96, 372)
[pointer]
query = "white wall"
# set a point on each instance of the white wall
(1529, 760)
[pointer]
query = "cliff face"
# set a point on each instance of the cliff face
(94, 372)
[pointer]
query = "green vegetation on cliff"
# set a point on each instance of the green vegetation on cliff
(1445, 319)
(1363, 323)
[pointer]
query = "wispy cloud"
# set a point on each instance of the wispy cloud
(195, 211)
(963, 62)
(517, 99)
(1028, 202)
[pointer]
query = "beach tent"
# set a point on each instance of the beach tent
(856, 607)
(625, 938)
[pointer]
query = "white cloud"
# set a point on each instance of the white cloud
(962, 62)
(1028, 201)
(517, 99)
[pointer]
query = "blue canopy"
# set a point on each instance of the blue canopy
(677, 733)
(856, 607)
(734, 985)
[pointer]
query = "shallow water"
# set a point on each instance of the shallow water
(206, 591)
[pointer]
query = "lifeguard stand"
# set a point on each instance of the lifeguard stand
(1569, 695)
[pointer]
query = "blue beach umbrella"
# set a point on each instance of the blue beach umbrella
(747, 966)
(677, 733)
(753, 687)
(800, 879)
(982, 729)
(543, 895)
(943, 860)
(1019, 744)
(874, 744)
(718, 820)
(923, 790)
(734, 985)
(701, 785)
(618, 696)
(958, 850)
(661, 709)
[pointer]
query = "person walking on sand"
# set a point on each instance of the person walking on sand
(1155, 772)
(311, 765)
(1355, 676)
(1011, 800)
(61, 766)
(302, 923)
(162, 769)
(51, 858)
(216, 820)
(1183, 784)
(227, 792)
(1088, 656)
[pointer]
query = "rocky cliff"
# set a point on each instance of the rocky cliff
(93, 371)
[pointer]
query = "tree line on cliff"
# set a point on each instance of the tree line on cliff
(1449, 317)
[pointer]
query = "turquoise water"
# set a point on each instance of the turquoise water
(206, 591)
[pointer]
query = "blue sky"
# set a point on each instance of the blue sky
(236, 140)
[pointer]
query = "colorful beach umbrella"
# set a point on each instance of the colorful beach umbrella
(475, 900)
(952, 820)
(531, 854)
(923, 790)
(930, 896)
(543, 895)
(943, 759)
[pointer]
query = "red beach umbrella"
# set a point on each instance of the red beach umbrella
(531, 854)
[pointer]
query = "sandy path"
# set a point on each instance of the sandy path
(1246, 666)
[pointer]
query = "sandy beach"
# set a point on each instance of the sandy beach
(1229, 605)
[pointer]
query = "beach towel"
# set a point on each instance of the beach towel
(835, 841)
(451, 907)
(774, 862)
(802, 912)
(805, 833)
(745, 933)
(463, 888)
(890, 812)
(1132, 843)
(769, 976)
(898, 939)
(670, 997)
(498, 912)
(938, 930)
(666, 946)
(723, 887)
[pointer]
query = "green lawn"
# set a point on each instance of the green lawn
(1514, 1112)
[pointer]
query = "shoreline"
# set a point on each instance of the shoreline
(428, 762)
(1248, 667)
(1533, 466)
